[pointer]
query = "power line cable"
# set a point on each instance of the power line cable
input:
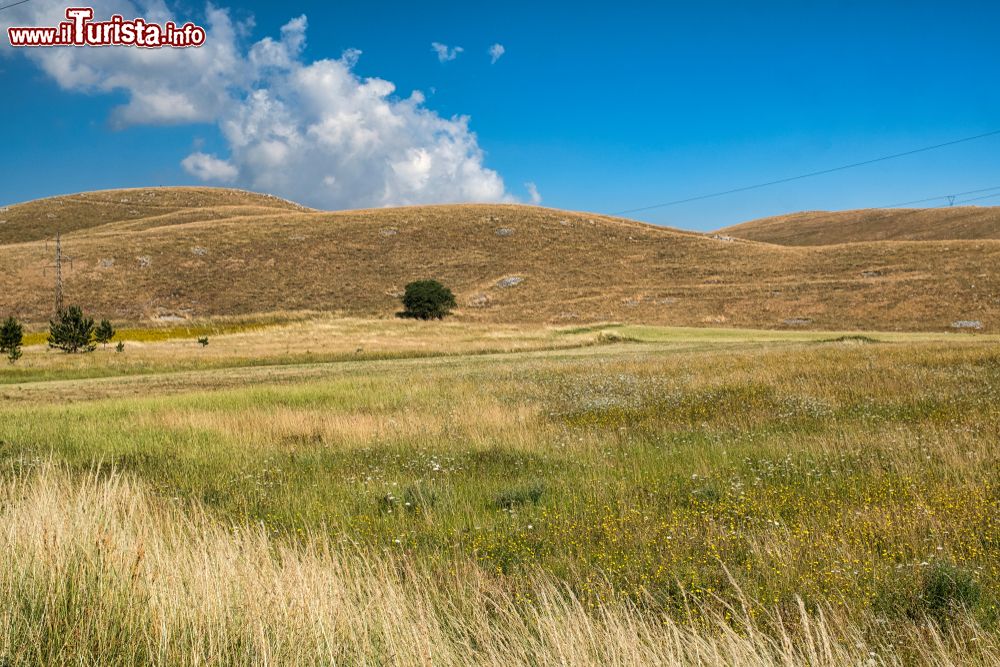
(13, 4)
(954, 194)
(966, 201)
(810, 174)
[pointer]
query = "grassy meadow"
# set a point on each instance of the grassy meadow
(325, 491)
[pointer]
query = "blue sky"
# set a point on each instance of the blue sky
(602, 107)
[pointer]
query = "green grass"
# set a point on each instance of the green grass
(762, 467)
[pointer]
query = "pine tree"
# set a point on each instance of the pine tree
(72, 332)
(104, 333)
(11, 337)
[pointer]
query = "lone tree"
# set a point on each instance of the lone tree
(72, 332)
(427, 300)
(11, 337)
(104, 333)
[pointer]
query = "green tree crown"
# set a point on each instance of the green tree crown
(427, 300)
(72, 332)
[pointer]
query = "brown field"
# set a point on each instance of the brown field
(206, 253)
(812, 228)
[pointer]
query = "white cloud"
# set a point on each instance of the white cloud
(533, 195)
(496, 51)
(209, 168)
(163, 85)
(444, 53)
(314, 131)
(317, 133)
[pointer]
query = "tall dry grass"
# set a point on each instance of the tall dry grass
(97, 570)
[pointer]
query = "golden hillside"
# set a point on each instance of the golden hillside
(133, 208)
(886, 224)
(199, 252)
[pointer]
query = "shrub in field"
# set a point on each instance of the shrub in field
(939, 591)
(203, 341)
(512, 498)
(427, 300)
(947, 589)
(72, 332)
(104, 333)
(11, 336)
(120, 347)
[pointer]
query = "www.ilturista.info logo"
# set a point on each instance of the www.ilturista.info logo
(80, 30)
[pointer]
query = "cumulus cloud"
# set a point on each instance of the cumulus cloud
(312, 131)
(163, 86)
(444, 53)
(496, 51)
(209, 168)
(533, 195)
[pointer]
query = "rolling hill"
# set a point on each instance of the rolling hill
(911, 224)
(131, 209)
(169, 253)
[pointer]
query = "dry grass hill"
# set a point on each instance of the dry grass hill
(114, 210)
(903, 224)
(168, 253)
